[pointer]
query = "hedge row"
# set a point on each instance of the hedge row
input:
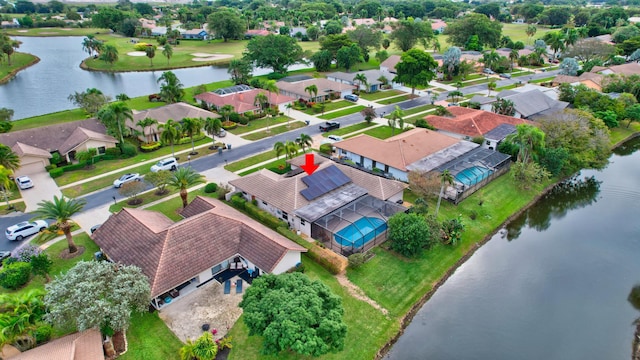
(55, 172)
(326, 258)
(255, 212)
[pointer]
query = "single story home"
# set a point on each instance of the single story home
(86, 345)
(373, 79)
(179, 257)
(438, 26)
(590, 80)
(256, 32)
(530, 104)
(177, 112)
(468, 123)
(632, 68)
(389, 65)
(195, 34)
(296, 89)
(326, 202)
(35, 146)
(494, 137)
(242, 98)
(159, 31)
(13, 23)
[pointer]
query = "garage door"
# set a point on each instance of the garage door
(31, 168)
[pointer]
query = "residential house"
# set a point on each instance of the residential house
(589, 79)
(256, 32)
(295, 88)
(530, 104)
(147, 24)
(35, 146)
(298, 29)
(389, 65)
(159, 31)
(179, 257)
(8, 24)
(466, 123)
(326, 202)
(86, 345)
(438, 26)
(493, 138)
(632, 68)
(242, 98)
(373, 79)
(177, 112)
(195, 34)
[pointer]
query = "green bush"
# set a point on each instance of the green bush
(50, 167)
(326, 149)
(211, 188)
(43, 333)
(56, 158)
(422, 123)
(187, 140)
(114, 151)
(150, 147)
(356, 260)
(73, 167)
(129, 150)
(229, 125)
(57, 172)
(15, 275)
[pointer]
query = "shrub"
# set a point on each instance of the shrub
(43, 333)
(141, 46)
(15, 275)
(229, 125)
(356, 260)
(478, 140)
(114, 151)
(326, 149)
(54, 173)
(211, 188)
(150, 147)
(129, 150)
(326, 258)
(422, 123)
(56, 158)
(222, 191)
(50, 167)
(242, 120)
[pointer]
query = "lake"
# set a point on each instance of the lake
(552, 285)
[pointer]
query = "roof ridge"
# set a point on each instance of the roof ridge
(162, 255)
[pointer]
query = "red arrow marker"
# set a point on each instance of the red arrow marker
(309, 165)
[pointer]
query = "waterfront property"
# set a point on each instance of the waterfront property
(36, 146)
(298, 87)
(214, 241)
(373, 77)
(339, 205)
(242, 98)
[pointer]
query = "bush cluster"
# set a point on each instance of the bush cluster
(252, 210)
(150, 147)
(211, 188)
(13, 276)
(356, 260)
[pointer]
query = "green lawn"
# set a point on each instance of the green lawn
(19, 61)
(541, 80)
(620, 133)
(149, 338)
(340, 113)
(171, 207)
(273, 164)
(274, 131)
(48, 31)
(19, 206)
(330, 106)
(396, 99)
(383, 132)
(367, 329)
(349, 129)
(415, 110)
(259, 124)
(380, 94)
(256, 159)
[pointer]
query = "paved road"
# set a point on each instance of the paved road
(8, 220)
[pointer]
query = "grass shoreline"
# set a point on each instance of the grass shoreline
(11, 74)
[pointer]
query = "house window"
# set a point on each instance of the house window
(488, 142)
(216, 269)
(101, 150)
(302, 222)
(285, 216)
(386, 168)
(264, 203)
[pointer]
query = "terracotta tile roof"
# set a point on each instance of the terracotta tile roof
(86, 345)
(568, 79)
(257, 32)
(23, 149)
(55, 137)
(391, 63)
(177, 112)
(198, 205)
(400, 150)
(324, 86)
(632, 68)
(471, 122)
(172, 253)
(438, 24)
(284, 193)
(242, 101)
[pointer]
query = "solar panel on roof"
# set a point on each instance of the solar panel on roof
(323, 181)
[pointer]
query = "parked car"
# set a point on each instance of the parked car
(351, 97)
(4, 255)
(94, 228)
(125, 179)
(505, 75)
(24, 182)
(165, 164)
(221, 133)
(329, 125)
(331, 139)
(488, 71)
(23, 229)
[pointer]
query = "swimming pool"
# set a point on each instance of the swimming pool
(473, 175)
(360, 232)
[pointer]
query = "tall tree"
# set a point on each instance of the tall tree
(167, 51)
(347, 57)
(416, 68)
(514, 54)
(313, 91)
(144, 124)
(61, 209)
(491, 85)
(451, 61)
(9, 159)
(278, 147)
(277, 52)
(113, 116)
(5, 183)
(214, 125)
(171, 132)
(109, 54)
(530, 141)
(396, 119)
(304, 141)
(171, 89)
(531, 30)
(409, 233)
(226, 23)
(294, 314)
(408, 32)
(366, 38)
(191, 126)
(240, 71)
(90, 100)
(488, 32)
(490, 59)
(361, 78)
(445, 178)
(261, 100)
(184, 178)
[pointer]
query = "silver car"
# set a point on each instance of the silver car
(125, 179)
(24, 182)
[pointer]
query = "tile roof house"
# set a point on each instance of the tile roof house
(194, 249)
(632, 68)
(470, 123)
(284, 196)
(438, 26)
(256, 32)
(389, 65)
(590, 80)
(177, 112)
(295, 89)
(35, 146)
(243, 101)
(372, 79)
(86, 345)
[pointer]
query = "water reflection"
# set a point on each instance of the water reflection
(574, 193)
(634, 300)
(628, 147)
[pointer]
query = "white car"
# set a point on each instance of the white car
(24, 182)
(21, 230)
(165, 164)
(125, 179)
(331, 139)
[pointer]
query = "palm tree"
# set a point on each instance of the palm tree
(5, 183)
(110, 54)
(8, 158)
(278, 147)
(531, 30)
(226, 111)
(571, 37)
(290, 149)
(530, 141)
(213, 126)
(171, 132)
(113, 116)
(87, 44)
(289, 106)
(556, 42)
(458, 84)
(151, 53)
(145, 123)
(271, 87)
(395, 119)
(122, 97)
(455, 95)
(261, 100)
(491, 86)
(313, 91)
(513, 56)
(191, 126)
(19, 317)
(490, 58)
(171, 88)
(445, 178)
(183, 178)
(61, 209)
(436, 45)
(362, 79)
(167, 52)
(304, 141)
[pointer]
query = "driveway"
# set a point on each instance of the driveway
(44, 189)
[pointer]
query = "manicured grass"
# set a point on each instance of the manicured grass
(49, 31)
(383, 132)
(274, 164)
(396, 99)
(147, 198)
(13, 207)
(274, 131)
(340, 113)
(367, 328)
(349, 129)
(19, 61)
(541, 80)
(413, 119)
(259, 124)
(620, 133)
(172, 207)
(397, 283)
(380, 94)
(416, 110)
(149, 338)
(256, 159)
(330, 106)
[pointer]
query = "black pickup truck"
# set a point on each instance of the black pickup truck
(329, 125)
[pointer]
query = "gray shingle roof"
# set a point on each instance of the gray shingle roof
(500, 132)
(532, 102)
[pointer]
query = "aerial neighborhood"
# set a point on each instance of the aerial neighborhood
(243, 180)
